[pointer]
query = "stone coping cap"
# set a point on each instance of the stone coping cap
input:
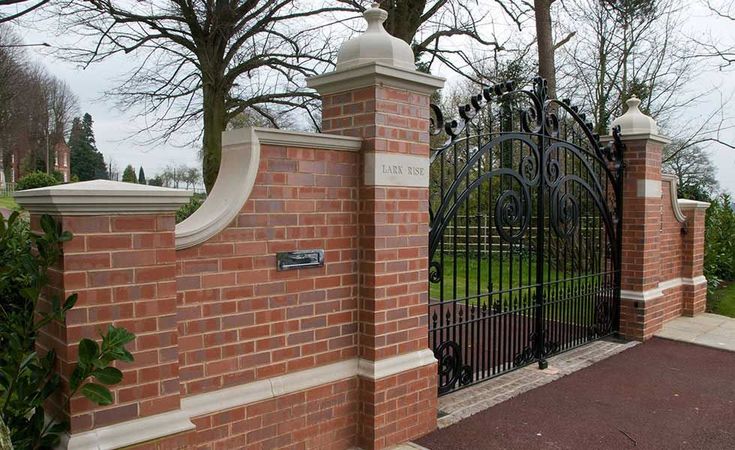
(102, 197)
(692, 204)
(375, 74)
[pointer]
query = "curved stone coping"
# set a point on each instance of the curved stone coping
(237, 173)
(673, 189)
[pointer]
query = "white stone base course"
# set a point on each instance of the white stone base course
(472, 400)
(166, 424)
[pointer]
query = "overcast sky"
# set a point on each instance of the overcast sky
(113, 129)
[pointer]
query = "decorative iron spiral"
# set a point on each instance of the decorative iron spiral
(603, 319)
(531, 119)
(435, 272)
(552, 124)
(512, 211)
(565, 214)
(553, 172)
(529, 169)
(452, 371)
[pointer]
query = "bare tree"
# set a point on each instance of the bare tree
(545, 43)
(207, 61)
(13, 9)
(624, 48)
(714, 47)
(35, 110)
(694, 170)
(426, 25)
(63, 105)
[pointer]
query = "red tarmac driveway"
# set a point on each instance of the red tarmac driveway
(658, 395)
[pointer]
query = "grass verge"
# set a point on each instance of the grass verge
(9, 203)
(722, 300)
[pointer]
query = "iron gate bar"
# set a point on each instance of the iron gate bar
(553, 279)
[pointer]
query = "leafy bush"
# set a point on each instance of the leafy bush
(185, 211)
(17, 263)
(27, 378)
(719, 242)
(36, 180)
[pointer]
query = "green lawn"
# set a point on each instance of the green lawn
(723, 300)
(8, 203)
(507, 289)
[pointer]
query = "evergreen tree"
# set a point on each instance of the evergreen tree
(141, 176)
(87, 163)
(129, 175)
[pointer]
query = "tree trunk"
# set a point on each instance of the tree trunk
(214, 124)
(545, 42)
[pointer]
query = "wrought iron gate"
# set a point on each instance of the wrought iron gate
(524, 243)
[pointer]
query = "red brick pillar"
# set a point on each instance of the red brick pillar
(641, 296)
(377, 94)
(694, 284)
(122, 264)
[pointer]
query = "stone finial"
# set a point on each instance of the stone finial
(634, 122)
(375, 45)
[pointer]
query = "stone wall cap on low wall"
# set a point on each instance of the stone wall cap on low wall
(237, 173)
(101, 197)
(692, 204)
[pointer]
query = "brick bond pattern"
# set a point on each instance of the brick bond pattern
(657, 248)
(393, 261)
(320, 418)
(123, 269)
(241, 320)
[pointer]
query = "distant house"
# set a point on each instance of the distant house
(62, 154)
(16, 167)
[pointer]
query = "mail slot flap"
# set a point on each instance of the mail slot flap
(300, 259)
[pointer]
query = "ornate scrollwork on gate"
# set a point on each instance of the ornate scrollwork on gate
(529, 353)
(452, 370)
(524, 213)
(435, 272)
(603, 323)
(513, 214)
(565, 213)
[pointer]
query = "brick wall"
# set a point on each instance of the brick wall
(123, 270)
(239, 319)
(318, 418)
(663, 256)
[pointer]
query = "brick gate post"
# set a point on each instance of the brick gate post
(122, 264)
(695, 288)
(642, 203)
(376, 93)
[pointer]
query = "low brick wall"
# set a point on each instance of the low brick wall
(241, 320)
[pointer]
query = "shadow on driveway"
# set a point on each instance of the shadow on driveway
(658, 395)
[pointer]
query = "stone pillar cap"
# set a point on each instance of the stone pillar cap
(375, 45)
(101, 197)
(634, 122)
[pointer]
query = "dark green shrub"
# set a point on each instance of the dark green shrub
(27, 378)
(719, 242)
(36, 180)
(185, 211)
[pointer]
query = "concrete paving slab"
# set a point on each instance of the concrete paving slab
(710, 330)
